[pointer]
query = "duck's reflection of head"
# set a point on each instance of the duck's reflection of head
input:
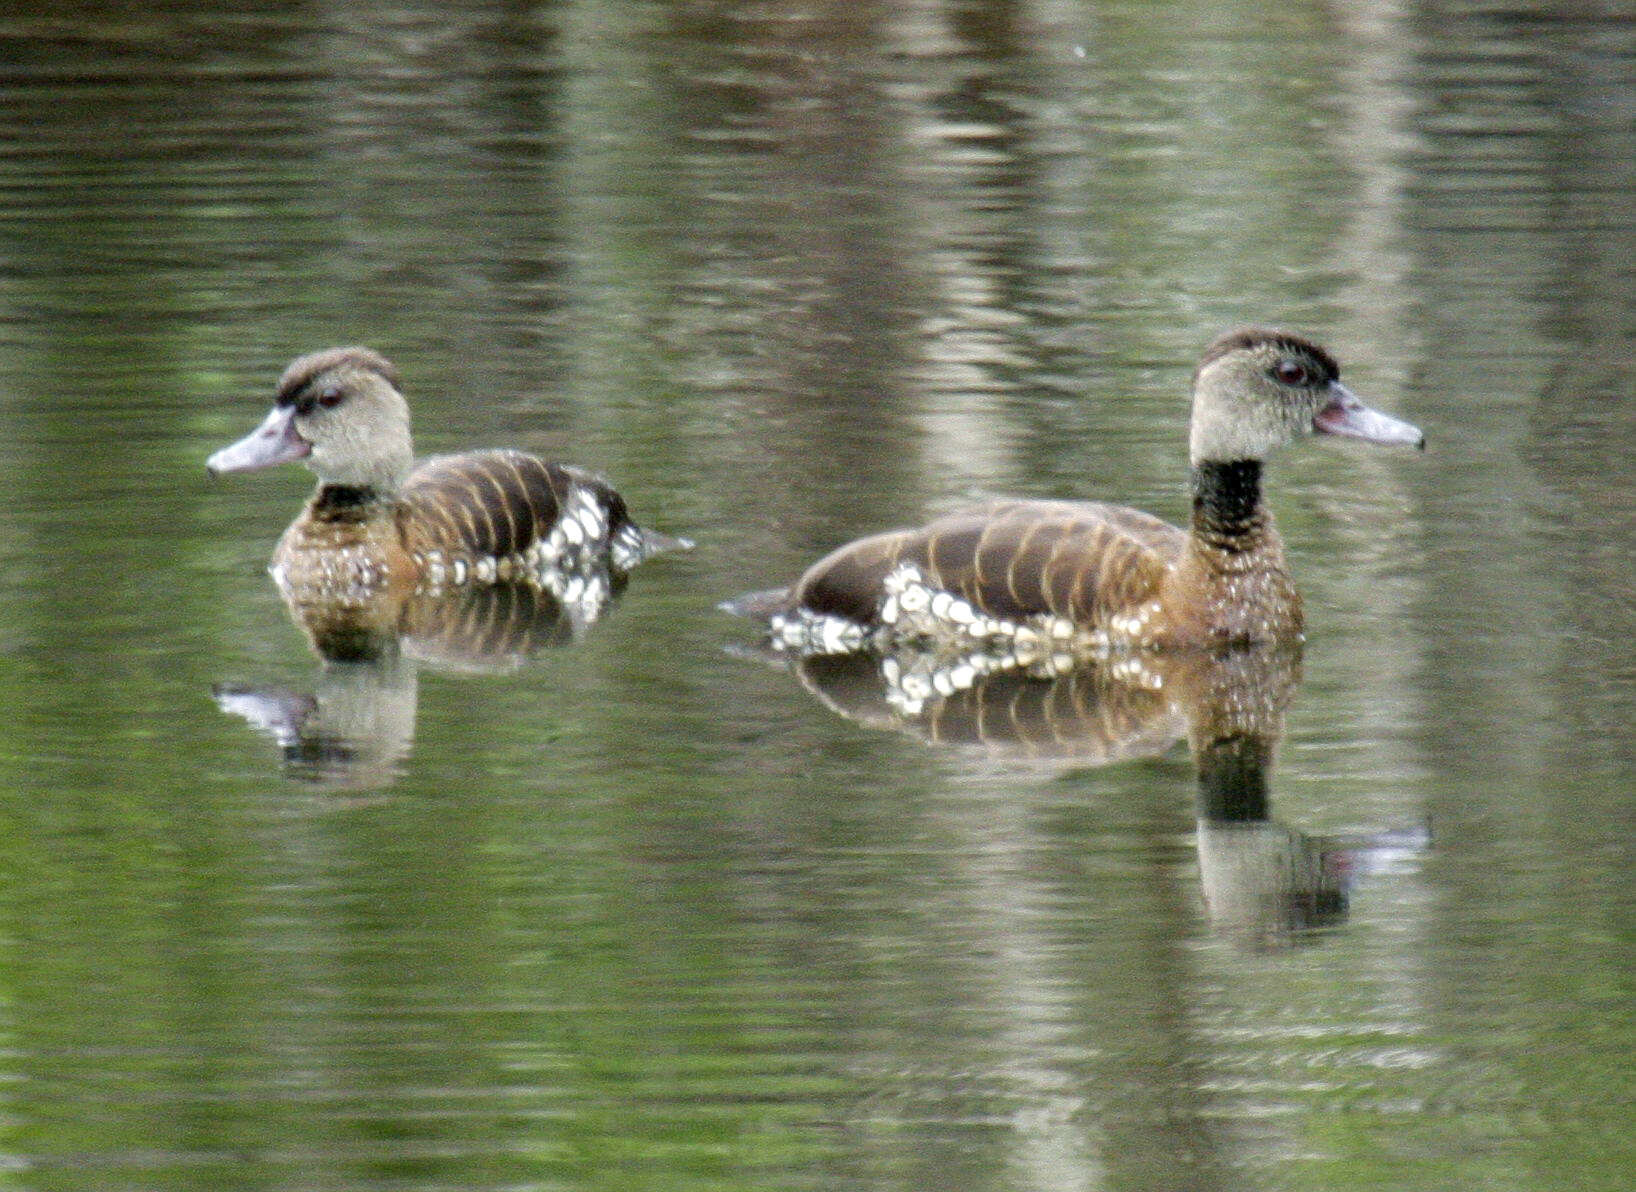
(355, 728)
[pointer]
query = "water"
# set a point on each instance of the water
(637, 910)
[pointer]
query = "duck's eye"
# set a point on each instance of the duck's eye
(330, 396)
(1290, 372)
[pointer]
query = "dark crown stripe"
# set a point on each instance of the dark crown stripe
(1251, 338)
(300, 376)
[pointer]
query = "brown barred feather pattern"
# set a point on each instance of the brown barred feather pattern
(490, 623)
(1085, 714)
(492, 503)
(1010, 559)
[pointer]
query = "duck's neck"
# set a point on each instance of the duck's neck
(349, 503)
(1234, 583)
(1227, 509)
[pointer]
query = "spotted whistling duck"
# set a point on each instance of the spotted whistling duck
(378, 522)
(1075, 578)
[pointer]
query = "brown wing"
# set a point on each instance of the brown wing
(1010, 559)
(493, 503)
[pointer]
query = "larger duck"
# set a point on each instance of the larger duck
(1069, 578)
(377, 523)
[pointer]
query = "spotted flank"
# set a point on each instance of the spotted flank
(581, 533)
(1029, 583)
(914, 681)
(913, 613)
(584, 595)
(911, 680)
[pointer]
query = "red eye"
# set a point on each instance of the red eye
(1290, 372)
(330, 396)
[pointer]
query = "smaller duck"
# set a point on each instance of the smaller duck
(377, 523)
(1035, 582)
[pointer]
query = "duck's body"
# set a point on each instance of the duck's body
(480, 517)
(376, 523)
(1068, 577)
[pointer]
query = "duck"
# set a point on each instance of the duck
(1032, 579)
(378, 522)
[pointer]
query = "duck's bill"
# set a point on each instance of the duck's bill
(1348, 417)
(275, 441)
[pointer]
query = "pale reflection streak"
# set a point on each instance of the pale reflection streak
(915, 355)
(1382, 325)
(961, 173)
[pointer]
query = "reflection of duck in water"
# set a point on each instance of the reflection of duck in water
(352, 730)
(1093, 713)
(468, 562)
(1040, 583)
(356, 726)
(378, 523)
(1263, 881)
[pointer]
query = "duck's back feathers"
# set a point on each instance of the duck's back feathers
(500, 504)
(1009, 559)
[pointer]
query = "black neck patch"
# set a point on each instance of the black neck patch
(344, 501)
(1227, 499)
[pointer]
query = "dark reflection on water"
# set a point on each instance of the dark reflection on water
(636, 912)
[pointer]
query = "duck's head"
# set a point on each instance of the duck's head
(340, 413)
(1257, 389)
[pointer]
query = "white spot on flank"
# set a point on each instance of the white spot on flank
(806, 633)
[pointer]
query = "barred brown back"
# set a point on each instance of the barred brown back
(494, 503)
(1010, 559)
